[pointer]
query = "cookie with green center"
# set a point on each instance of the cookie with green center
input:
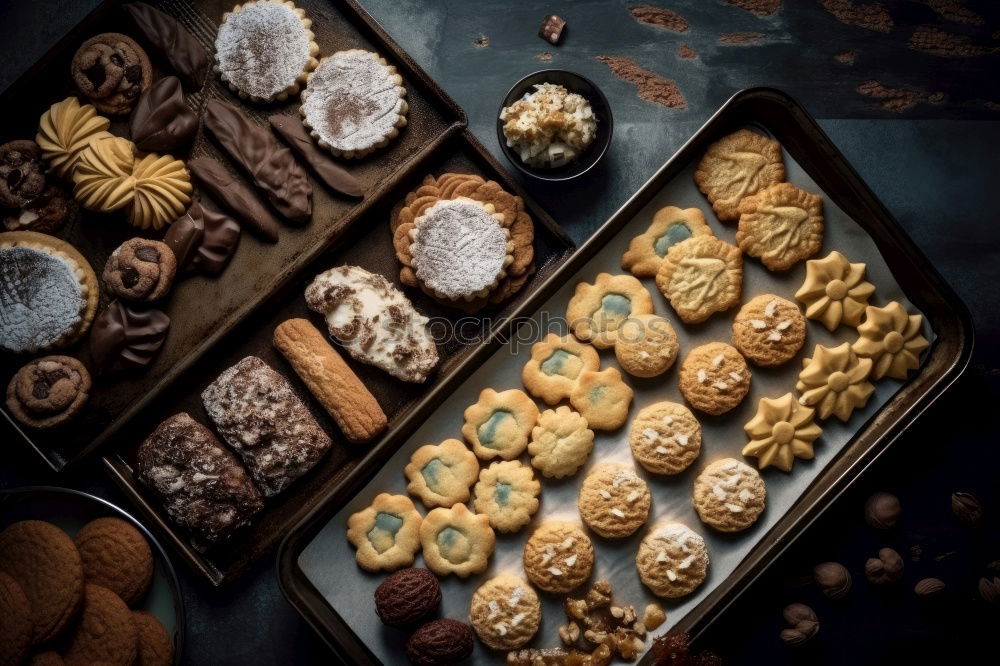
(602, 398)
(440, 475)
(456, 541)
(500, 423)
(670, 226)
(507, 493)
(555, 366)
(560, 443)
(558, 557)
(597, 310)
(386, 535)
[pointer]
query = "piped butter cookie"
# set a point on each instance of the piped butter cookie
(507, 493)
(646, 346)
(65, 130)
(555, 367)
(781, 431)
(736, 166)
(499, 424)
(386, 535)
(440, 475)
(701, 276)
(714, 378)
(665, 438)
(560, 443)
(456, 541)
(670, 226)
(614, 501)
(835, 381)
(558, 557)
(891, 338)
(672, 560)
(596, 311)
(729, 495)
(781, 225)
(505, 612)
(603, 398)
(769, 330)
(835, 291)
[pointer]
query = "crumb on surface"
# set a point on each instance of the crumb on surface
(652, 87)
(544, 56)
(872, 16)
(935, 41)
(757, 7)
(482, 41)
(741, 38)
(845, 57)
(897, 100)
(661, 18)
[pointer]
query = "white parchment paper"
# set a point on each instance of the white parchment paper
(328, 561)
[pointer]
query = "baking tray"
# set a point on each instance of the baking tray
(947, 319)
(368, 245)
(202, 309)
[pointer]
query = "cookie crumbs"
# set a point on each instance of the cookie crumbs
(652, 87)
(544, 56)
(757, 7)
(661, 18)
(740, 38)
(935, 41)
(870, 17)
(897, 99)
(950, 10)
(845, 57)
(685, 52)
(482, 41)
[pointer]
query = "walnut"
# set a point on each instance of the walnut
(441, 641)
(597, 637)
(833, 579)
(576, 609)
(929, 587)
(882, 510)
(628, 616)
(407, 596)
(629, 647)
(886, 568)
(569, 634)
(967, 509)
(599, 595)
(653, 617)
(803, 621)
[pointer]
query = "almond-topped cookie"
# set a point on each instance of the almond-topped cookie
(714, 378)
(769, 330)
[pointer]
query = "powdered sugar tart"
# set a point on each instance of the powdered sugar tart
(265, 50)
(353, 103)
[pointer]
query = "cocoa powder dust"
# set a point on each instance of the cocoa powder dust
(652, 87)
(661, 18)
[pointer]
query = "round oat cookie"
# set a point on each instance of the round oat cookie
(45, 563)
(560, 443)
(665, 438)
(558, 557)
(505, 612)
(714, 378)
(614, 501)
(15, 621)
(729, 495)
(769, 330)
(115, 555)
(672, 560)
(155, 645)
(647, 345)
(106, 632)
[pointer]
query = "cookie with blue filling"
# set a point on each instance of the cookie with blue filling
(456, 541)
(507, 493)
(386, 535)
(597, 310)
(500, 424)
(440, 475)
(670, 226)
(602, 398)
(555, 366)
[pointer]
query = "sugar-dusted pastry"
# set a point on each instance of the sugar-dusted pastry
(670, 226)
(835, 291)
(558, 556)
(596, 311)
(701, 276)
(456, 541)
(555, 367)
(781, 431)
(48, 391)
(505, 612)
(646, 345)
(441, 474)
(603, 398)
(385, 535)
(354, 103)
(507, 492)
(499, 424)
(665, 438)
(835, 381)
(737, 166)
(769, 330)
(672, 560)
(714, 378)
(891, 337)
(613, 501)
(782, 225)
(111, 70)
(374, 321)
(729, 495)
(260, 416)
(65, 130)
(560, 443)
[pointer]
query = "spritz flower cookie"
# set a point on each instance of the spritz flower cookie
(665, 438)
(603, 398)
(507, 493)
(701, 276)
(456, 541)
(670, 226)
(835, 291)
(835, 381)
(714, 378)
(891, 338)
(769, 330)
(555, 366)
(440, 475)
(386, 534)
(781, 225)
(499, 424)
(614, 501)
(597, 310)
(646, 346)
(558, 557)
(736, 166)
(729, 495)
(505, 612)
(560, 443)
(781, 431)
(672, 560)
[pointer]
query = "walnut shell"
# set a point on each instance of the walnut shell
(407, 597)
(886, 568)
(440, 642)
(882, 510)
(803, 624)
(929, 587)
(833, 579)
(967, 509)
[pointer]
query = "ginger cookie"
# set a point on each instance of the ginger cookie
(558, 557)
(116, 556)
(499, 424)
(701, 276)
(670, 226)
(602, 398)
(15, 621)
(714, 378)
(46, 564)
(456, 541)
(560, 443)
(507, 493)
(781, 431)
(440, 475)
(386, 535)
(505, 612)
(106, 632)
(782, 225)
(596, 311)
(140, 270)
(111, 70)
(614, 501)
(48, 391)
(769, 330)
(665, 438)
(155, 645)
(835, 291)
(891, 338)
(729, 495)
(646, 346)
(736, 166)
(672, 560)
(555, 366)
(835, 381)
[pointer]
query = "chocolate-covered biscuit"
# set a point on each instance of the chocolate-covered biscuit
(47, 213)
(127, 337)
(226, 189)
(203, 240)
(140, 269)
(111, 70)
(22, 173)
(334, 175)
(169, 40)
(162, 121)
(272, 167)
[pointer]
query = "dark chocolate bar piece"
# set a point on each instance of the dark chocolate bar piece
(172, 42)
(552, 29)
(331, 173)
(127, 337)
(203, 240)
(228, 191)
(162, 121)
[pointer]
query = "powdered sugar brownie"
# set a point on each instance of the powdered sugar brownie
(555, 367)
(264, 49)
(769, 330)
(665, 438)
(558, 556)
(499, 424)
(672, 560)
(507, 492)
(614, 501)
(560, 443)
(353, 103)
(505, 612)
(729, 495)
(714, 378)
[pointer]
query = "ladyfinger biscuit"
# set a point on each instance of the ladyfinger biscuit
(330, 380)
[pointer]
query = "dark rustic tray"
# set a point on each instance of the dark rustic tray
(203, 309)
(369, 245)
(947, 358)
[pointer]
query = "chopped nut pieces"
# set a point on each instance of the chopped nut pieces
(601, 656)
(604, 623)
(653, 617)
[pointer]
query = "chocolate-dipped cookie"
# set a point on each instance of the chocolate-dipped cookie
(111, 70)
(127, 337)
(227, 190)
(140, 270)
(162, 121)
(203, 240)
(22, 173)
(331, 173)
(171, 42)
(48, 391)
(47, 213)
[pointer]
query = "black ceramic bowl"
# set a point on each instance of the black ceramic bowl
(575, 84)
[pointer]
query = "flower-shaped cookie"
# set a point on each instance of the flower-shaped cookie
(891, 338)
(456, 541)
(670, 226)
(441, 475)
(103, 176)
(835, 381)
(781, 431)
(162, 191)
(386, 534)
(597, 310)
(65, 130)
(835, 291)
(555, 367)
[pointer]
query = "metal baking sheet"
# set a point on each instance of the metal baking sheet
(312, 562)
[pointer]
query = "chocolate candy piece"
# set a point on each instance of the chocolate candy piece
(127, 337)
(226, 189)
(172, 43)
(552, 28)
(203, 240)
(272, 168)
(162, 121)
(334, 175)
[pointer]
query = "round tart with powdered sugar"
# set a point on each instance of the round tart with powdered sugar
(353, 103)
(265, 50)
